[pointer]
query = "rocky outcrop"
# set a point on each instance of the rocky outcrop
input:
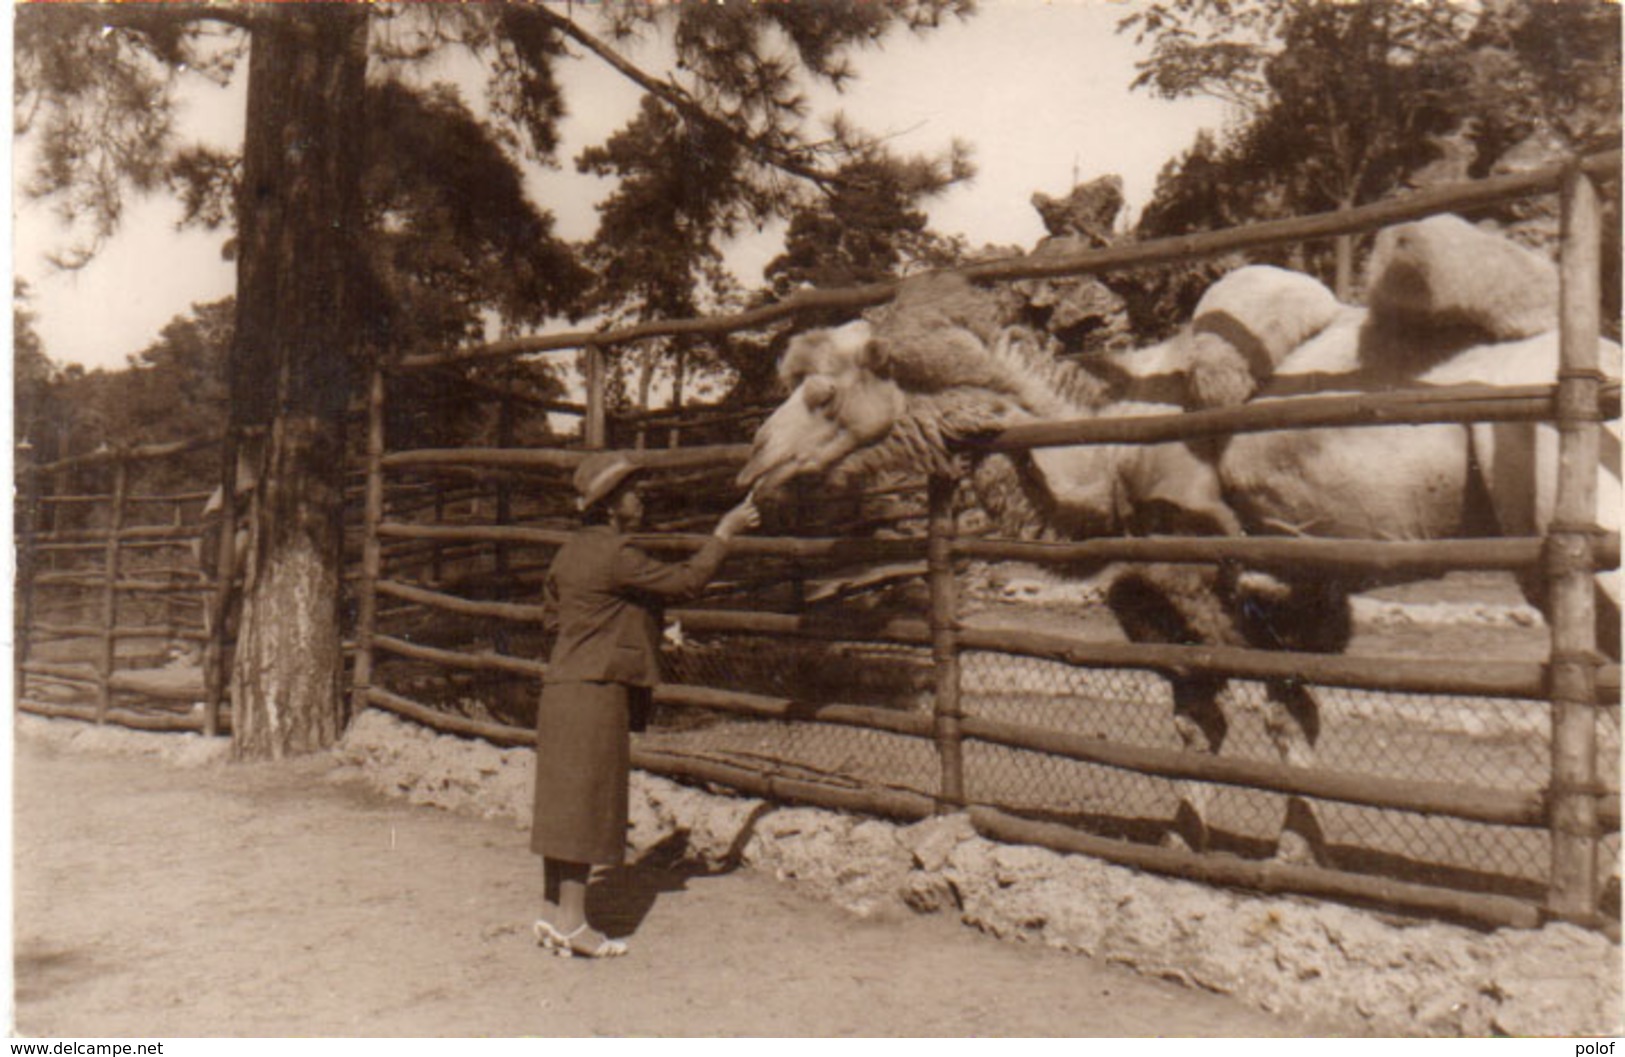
(1082, 313)
(1088, 212)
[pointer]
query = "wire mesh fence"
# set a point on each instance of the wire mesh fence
(1464, 741)
(1467, 742)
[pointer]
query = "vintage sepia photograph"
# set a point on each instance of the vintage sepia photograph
(795, 519)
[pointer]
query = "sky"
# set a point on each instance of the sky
(1038, 89)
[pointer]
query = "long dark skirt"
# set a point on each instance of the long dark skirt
(583, 760)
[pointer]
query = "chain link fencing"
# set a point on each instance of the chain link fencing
(1464, 741)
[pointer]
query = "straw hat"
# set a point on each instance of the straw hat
(598, 475)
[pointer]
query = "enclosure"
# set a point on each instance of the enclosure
(111, 597)
(855, 657)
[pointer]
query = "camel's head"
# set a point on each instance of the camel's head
(838, 404)
(894, 391)
(891, 393)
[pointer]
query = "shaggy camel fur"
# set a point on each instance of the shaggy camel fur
(1449, 304)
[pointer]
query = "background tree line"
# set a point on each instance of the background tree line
(1337, 105)
(374, 212)
(403, 226)
(1334, 105)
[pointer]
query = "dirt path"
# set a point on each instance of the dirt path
(274, 900)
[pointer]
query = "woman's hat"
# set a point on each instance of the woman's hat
(599, 474)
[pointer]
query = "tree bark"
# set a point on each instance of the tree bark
(299, 338)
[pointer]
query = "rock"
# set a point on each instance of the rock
(928, 893)
(797, 843)
(1560, 979)
(1023, 863)
(1089, 211)
(859, 865)
(456, 774)
(934, 839)
(1081, 312)
(646, 826)
(871, 880)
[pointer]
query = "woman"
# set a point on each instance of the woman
(603, 599)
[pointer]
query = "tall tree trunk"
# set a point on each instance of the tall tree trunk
(298, 340)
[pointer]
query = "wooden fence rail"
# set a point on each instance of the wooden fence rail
(103, 583)
(1532, 403)
(138, 453)
(1464, 195)
(1473, 803)
(1454, 404)
(132, 532)
(1326, 555)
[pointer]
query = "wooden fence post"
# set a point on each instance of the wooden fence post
(674, 434)
(594, 425)
(1569, 564)
(225, 571)
(501, 563)
(371, 552)
(437, 550)
(27, 524)
(504, 488)
(945, 642)
(177, 521)
(109, 639)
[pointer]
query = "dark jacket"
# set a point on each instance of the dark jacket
(604, 598)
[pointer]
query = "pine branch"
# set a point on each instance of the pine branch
(677, 98)
(147, 16)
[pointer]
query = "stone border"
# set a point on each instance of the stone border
(1326, 961)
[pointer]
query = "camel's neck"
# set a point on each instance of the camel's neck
(1043, 385)
(1019, 381)
(1027, 384)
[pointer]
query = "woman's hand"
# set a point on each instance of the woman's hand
(741, 518)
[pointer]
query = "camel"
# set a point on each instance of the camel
(1448, 304)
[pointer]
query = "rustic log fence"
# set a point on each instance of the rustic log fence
(1577, 805)
(134, 558)
(1574, 807)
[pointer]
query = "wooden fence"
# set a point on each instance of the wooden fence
(1576, 806)
(143, 571)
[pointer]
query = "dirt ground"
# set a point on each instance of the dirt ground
(215, 899)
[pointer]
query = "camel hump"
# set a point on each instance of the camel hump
(1246, 324)
(1265, 312)
(1443, 274)
(942, 299)
(936, 333)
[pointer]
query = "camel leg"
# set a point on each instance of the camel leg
(1201, 726)
(1292, 721)
(1180, 604)
(1306, 617)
